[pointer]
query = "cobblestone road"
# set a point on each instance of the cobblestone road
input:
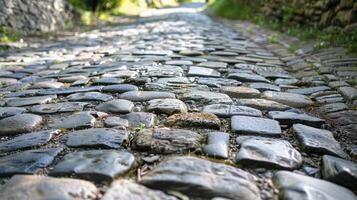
(177, 106)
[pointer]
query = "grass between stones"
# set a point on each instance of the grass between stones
(329, 37)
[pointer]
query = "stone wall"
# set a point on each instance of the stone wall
(31, 16)
(318, 13)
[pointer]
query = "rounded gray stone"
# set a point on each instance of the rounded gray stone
(116, 106)
(21, 123)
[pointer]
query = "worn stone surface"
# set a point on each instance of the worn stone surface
(41, 187)
(207, 97)
(102, 137)
(217, 82)
(97, 165)
(128, 190)
(197, 177)
(267, 152)
(27, 162)
(116, 106)
(75, 121)
(255, 125)
(145, 95)
(10, 111)
(263, 104)
(290, 118)
(167, 106)
(58, 107)
(161, 83)
(224, 110)
(116, 122)
(240, 92)
(290, 99)
(339, 171)
(203, 72)
(89, 96)
(20, 123)
(121, 88)
(217, 145)
(297, 186)
(318, 141)
(27, 140)
(27, 101)
(199, 120)
(246, 77)
(349, 93)
(139, 119)
(167, 141)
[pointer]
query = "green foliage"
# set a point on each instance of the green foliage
(140, 127)
(9, 35)
(273, 38)
(232, 9)
(240, 9)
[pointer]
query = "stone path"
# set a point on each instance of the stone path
(176, 106)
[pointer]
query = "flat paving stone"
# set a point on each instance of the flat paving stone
(27, 140)
(263, 104)
(120, 88)
(116, 122)
(267, 153)
(47, 85)
(224, 110)
(246, 77)
(290, 118)
(139, 119)
(332, 107)
(207, 97)
(146, 95)
(240, 92)
(121, 106)
(28, 101)
(189, 52)
(167, 141)
(290, 99)
(340, 171)
(95, 165)
(109, 81)
(98, 137)
(296, 186)
(179, 62)
(199, 120)
(70, 90)
(58, 107)
(217, 82)
(76, 121)
(129, 190)
(255, 125)
(217, 145)
(203, 72)
(310, 90)
(214, 65)
(27, 162)
(42, 187)
(21, 123)
(319, 141)
(167, 106)
(201, 178)
(349, 93)
(11, 111)
(343, 118)
(89, 96)
(262, 87)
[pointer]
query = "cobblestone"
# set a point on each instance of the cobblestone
(179, 106)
